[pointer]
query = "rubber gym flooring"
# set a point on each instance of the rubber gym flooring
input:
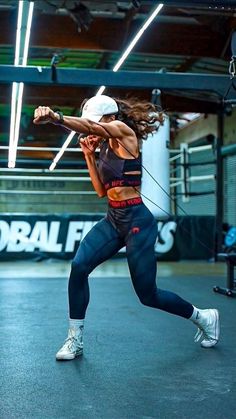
(138, 363)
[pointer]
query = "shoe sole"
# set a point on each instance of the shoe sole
(68, 357)
(217, 329)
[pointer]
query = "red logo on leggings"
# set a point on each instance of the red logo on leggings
(135, 230)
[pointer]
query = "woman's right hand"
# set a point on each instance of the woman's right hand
(45, 115)
(89, 144)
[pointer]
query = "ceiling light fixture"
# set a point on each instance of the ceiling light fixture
(133, 43)
(24, 20)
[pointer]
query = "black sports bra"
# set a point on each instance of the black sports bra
(114, 170)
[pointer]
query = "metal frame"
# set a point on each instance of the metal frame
(201, 3)
(219, 184)
(124, 79)
(182, 154)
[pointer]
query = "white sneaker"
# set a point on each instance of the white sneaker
(208, 328)
(72, 347)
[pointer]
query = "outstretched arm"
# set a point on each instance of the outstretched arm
(114, 129)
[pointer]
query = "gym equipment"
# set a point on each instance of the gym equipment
(230, 238)
(230, 258)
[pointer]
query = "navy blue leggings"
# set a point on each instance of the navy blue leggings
(135, 228)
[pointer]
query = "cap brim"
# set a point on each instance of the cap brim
(91, 117)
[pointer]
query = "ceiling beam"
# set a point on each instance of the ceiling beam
(198, 3)
(124, 79)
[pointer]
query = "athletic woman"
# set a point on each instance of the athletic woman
(117, 127)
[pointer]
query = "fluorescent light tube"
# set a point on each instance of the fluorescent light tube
(18, 88)
(64, 147)
(18, 33)
(137, 37)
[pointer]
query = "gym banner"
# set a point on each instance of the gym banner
(28, 236)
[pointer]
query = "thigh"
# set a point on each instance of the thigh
(141, 254)
(101, 243)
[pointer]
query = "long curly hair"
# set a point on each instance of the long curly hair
(141, 116)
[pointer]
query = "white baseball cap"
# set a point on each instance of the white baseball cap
(98, 106)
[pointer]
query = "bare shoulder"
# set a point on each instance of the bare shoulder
(126, 143)
(116, 129)
(124, 129)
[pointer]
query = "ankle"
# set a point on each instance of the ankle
(76, 328)
(75, 323)
(198, 314)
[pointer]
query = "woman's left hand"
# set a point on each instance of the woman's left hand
(89, 144)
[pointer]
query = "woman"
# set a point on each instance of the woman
(117, 127)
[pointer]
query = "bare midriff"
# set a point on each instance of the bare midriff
(123, 192)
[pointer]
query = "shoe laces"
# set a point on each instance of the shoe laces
(70, 343)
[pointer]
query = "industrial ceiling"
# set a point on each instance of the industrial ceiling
(186, 38)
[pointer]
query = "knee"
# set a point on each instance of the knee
(146, 299)
(79, 269)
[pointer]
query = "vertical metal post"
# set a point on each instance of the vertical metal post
(184, 172)
(219, 185)
(174, 196)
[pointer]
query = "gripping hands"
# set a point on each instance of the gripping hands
(89, 144)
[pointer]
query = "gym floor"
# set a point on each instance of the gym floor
(138, 363)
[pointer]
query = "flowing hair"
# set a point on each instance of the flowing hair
(141, 116)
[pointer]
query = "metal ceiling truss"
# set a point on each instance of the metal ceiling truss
(122, 79)
(197, 3)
